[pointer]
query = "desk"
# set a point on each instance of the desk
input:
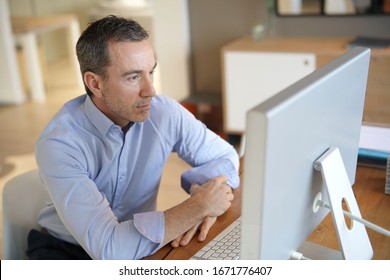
(373, 203)
(27, 28)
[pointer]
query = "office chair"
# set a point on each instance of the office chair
(23, 197)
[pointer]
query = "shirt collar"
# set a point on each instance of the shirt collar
(97, 118)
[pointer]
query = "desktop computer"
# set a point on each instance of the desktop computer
(300, 153)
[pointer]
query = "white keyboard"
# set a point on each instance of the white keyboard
(225, 246)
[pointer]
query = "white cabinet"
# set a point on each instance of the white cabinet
(251, 77)
(255, 70)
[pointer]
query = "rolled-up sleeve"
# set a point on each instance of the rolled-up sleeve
(201, 174)
(151, 225)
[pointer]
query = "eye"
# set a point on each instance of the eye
(133, 77)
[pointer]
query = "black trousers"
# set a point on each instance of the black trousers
(43, 246)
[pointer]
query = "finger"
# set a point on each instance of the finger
(222, 179)
(176, 242)
(187, 237)
(204, 229)
(195, 188)
(230, 196)
(229, 192)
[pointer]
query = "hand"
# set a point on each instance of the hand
(196, 188)
(214, 196)
(207, 202)
(205, 226)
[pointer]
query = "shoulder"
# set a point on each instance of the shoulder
(66, 121)
(164, 101)
(164, 106)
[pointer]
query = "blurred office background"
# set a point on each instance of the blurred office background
(187, 35)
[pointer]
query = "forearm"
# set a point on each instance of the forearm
(211, 199)
(181, 218)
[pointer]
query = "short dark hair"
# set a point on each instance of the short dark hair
(92, 46)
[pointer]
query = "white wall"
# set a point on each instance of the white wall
(172, 41)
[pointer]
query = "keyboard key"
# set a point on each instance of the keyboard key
(225, 246)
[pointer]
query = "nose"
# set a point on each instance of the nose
(148, 89)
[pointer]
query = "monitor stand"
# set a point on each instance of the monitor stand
(353, 239)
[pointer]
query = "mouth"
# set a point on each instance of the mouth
(144, 106)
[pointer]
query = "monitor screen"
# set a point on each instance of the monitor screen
(285, 135)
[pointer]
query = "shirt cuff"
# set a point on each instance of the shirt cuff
(150, 225)
(201, 174)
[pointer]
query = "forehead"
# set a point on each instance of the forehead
(131, 54)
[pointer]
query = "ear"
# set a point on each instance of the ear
(93, 82)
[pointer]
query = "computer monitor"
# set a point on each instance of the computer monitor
(285, 135)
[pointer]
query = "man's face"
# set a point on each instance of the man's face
(128, 89)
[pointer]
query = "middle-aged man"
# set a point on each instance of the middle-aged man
(102, 155)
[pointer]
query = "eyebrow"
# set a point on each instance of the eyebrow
(135, 71)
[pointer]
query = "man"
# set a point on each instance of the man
(102, 156)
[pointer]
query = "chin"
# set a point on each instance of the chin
(142, 118)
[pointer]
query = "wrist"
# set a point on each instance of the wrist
(198, 204)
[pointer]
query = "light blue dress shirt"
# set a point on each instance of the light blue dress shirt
(104, 183)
